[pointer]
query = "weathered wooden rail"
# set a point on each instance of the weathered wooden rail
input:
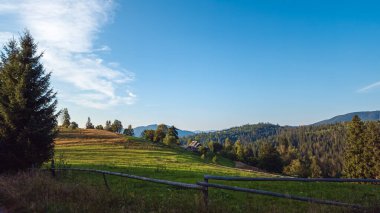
(287, 196)
(204, 186)
(291, 179)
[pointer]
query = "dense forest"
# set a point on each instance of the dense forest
(246, 134)
(305, 151)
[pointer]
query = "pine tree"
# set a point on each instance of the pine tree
(27, 107)
(315, 169)
(89, 125)
(354, 165)
(376, 154)
(371, 152)
(160, 133)
(172, 131)
(108, 126)
(129, 131)
(239, 150)
(269, 158)
(171, 137)
(227, 144)
(295, 168)
(65, 118)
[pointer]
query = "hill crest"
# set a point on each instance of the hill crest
(364, 116)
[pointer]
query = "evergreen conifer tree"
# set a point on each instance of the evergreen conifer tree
(89, 125)
(239, 150)
(371, 152)
(354, 164)
(27, 107)
(65, 118)
(171, 137)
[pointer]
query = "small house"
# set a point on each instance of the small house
(193, 146)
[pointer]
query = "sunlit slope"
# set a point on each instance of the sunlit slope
(108, 151)
(103, 149)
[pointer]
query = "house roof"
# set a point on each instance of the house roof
(194, 144)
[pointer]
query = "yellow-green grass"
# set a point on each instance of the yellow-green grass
(108, 151)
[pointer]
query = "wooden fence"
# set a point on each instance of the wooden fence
(205, 185)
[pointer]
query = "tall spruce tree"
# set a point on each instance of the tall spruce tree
(65, 118)
(27, 107)
(354, 162)
(89, 125)
(371, 152)
(171, 137)
(376, 156)
(239, 150)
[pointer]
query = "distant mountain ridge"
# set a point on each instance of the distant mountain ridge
(364, 116)
(140, 129)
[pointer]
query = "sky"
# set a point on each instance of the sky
(205, 64)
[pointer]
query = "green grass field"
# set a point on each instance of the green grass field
(107, 151)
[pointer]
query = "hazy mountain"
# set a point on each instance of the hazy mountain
(365, 116)
(204, 131)
(140, 129)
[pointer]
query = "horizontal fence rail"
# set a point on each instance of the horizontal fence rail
(204, 186)
(274, 194)
(166, 182)
(342, 180)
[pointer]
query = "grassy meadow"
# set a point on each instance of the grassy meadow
(100, 149)
(75, 191)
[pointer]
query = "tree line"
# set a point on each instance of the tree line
(343, 149)
(163, 134)
(116, 126)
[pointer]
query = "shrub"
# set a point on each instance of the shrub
(215, 159)
(73, 125)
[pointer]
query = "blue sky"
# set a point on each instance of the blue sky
(203, 64)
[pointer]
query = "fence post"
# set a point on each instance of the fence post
(105, 181)
(205, 193)
(52, 168)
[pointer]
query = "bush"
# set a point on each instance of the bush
(170, 140)
(73, 125)
(215, 159)
(203, 156)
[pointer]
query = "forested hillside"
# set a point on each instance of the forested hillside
(310, 151)
(246, 133)
(305, 151)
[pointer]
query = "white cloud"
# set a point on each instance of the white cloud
(66, 31)
(5, 37)
(369, 87)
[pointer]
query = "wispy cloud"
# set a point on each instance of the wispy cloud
(66, 31)
(369, 87)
